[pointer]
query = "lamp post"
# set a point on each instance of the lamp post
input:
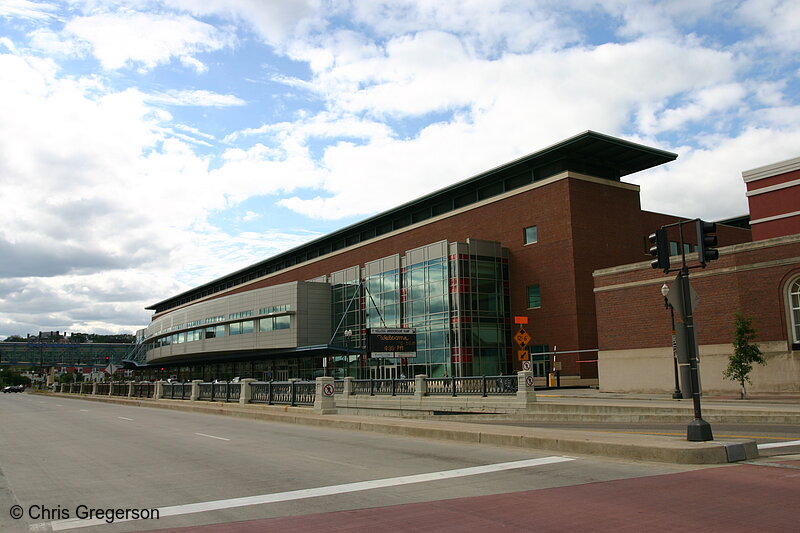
(676, 395)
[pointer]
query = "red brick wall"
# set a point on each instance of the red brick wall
(774, 203)
(749, 279)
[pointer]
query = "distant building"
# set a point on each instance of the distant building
(522, 239)
(760, 279)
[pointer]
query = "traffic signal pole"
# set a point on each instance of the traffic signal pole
(698, 430)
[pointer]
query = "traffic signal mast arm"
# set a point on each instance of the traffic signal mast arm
(706, 245)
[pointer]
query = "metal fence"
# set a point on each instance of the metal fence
(472, 386)
(303, 392)
(144, 390)
(177, 391)
(220, 392)
(283, 392)
(383, 387)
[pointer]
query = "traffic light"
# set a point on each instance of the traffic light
(659, 250)
(706, 241)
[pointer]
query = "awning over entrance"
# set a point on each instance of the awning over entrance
(319, 350)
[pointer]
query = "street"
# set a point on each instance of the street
(65, 461)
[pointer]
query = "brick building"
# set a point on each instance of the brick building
(760, 279)
(521, 239)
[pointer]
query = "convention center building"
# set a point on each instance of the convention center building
(466, 267)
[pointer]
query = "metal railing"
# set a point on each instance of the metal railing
(472, 386)
(295, 392)
(220, 392)
(177, 391)
(144, 390)
(283, 392)
(383, 387)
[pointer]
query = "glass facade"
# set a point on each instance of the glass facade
(454, 294)
(426, 307)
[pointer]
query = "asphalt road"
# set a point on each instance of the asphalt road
(62, 458)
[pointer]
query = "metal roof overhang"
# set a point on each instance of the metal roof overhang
(589, 152)
(319, 350)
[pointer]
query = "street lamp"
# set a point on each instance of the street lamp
(676, 395)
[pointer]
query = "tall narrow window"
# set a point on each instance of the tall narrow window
(531, 235)
(534, 297)
(794, 311)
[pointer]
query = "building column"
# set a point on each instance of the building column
(247, 392)
(324, 399)
(347, 389)
(526, 394)
(195, 389)
(420, 386)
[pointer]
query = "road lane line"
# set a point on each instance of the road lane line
(211, 436)
(84, 410)
(125, 418)
(779, 444)
(176, 510)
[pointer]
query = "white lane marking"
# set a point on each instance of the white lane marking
(211, 436)
(175, 510)
(779, 444)
(84, 410)
(125, 418)
(59, 405)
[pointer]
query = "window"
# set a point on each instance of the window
(534, 297)
(794, 312)
(215, 331)
(531, 235)
(673, 248)
(274, 323)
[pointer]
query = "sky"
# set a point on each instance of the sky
(147, 147)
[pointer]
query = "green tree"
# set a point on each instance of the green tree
(745, 353)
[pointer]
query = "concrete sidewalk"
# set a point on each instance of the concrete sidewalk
(622, 445)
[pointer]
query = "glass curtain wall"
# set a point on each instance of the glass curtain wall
(347, 321)
(425, 306)
(456, 295)
(479, 296)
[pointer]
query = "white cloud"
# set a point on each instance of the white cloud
(123, 39)
(27, 9)
(273, 21)
(707, 182)
(199, 98)
(778, 22)
(142, 163)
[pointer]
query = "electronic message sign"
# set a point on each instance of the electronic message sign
(392, 342)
